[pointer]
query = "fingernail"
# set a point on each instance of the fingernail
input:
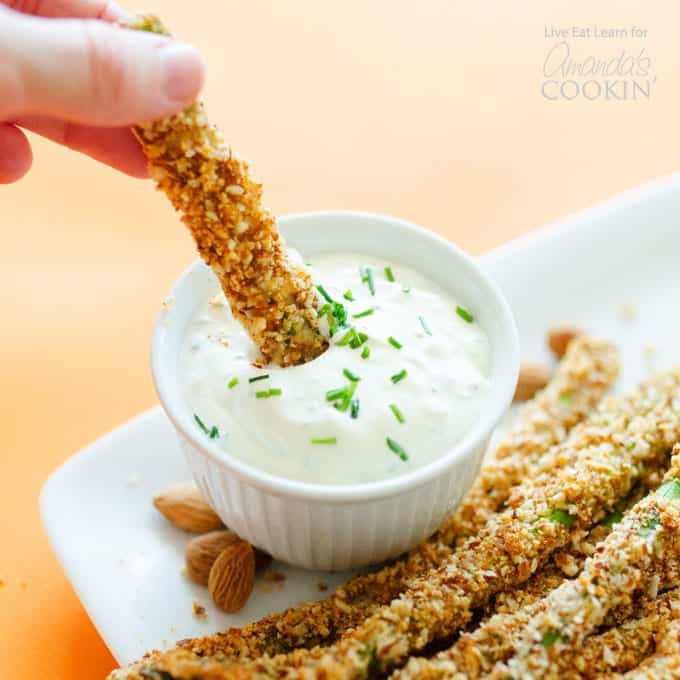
(183, 71)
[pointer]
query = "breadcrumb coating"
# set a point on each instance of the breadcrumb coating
(585, 373)
(221, 204)
(599, 465)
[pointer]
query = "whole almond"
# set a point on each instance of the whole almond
(532, 378)
(232, 576)
(184, 506)
(202, 551)
(559, 338)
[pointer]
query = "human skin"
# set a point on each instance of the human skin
(68, 74)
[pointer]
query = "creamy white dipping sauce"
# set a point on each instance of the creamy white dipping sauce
(444, 353)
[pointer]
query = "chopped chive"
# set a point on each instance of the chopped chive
(670, 490)
(258, 377)
(550, 638)
(213, 432)
(566, 397)
(347, 337)
(395, 343)
(397, 413)
(324, 294)
(562, 517)
(201, 424)
(397, 377)
(464, 314)
(426, 328)
(335, 311)
(611, 519)
(389, 274)
(354, 410)
(406, 289)
(351, 376)
(339, 313)
(353, 339)
(367, 278)
(265, 394)
(358, 340)
(396, 448)
(324, 440)
(338, 393)
(344, 402)
(366, 312)
(366, 352)
(348, 295)
(232, 383)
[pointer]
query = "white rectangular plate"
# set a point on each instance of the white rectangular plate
(124, 560)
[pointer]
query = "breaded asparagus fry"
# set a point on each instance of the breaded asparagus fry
(665, 662)
(585, 374)
(476, 652)
(622, 647)
(587, 371)
(569, 561)
(604, 462)
(643, 545)
(618, 649)
(273, 298)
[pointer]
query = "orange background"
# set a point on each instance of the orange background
(428, 110)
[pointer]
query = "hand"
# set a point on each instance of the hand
(68, 75)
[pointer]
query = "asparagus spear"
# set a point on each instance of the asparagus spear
(602, 461)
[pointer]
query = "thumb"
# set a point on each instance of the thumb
(88, 71)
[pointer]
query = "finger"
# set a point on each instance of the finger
(116, 147)
(15, 154)
(91, 72)
(84, 9)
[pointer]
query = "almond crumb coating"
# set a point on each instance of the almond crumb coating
(274, 299)
(601, 463)
(665, 662)
(640, 551)
(616, 650)
(474, 653)
(568, 562)
(586, 372)
(622, 648)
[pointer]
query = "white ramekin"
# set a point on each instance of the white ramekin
(322, 526)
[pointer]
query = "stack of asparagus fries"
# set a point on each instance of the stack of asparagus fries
(562, 562)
